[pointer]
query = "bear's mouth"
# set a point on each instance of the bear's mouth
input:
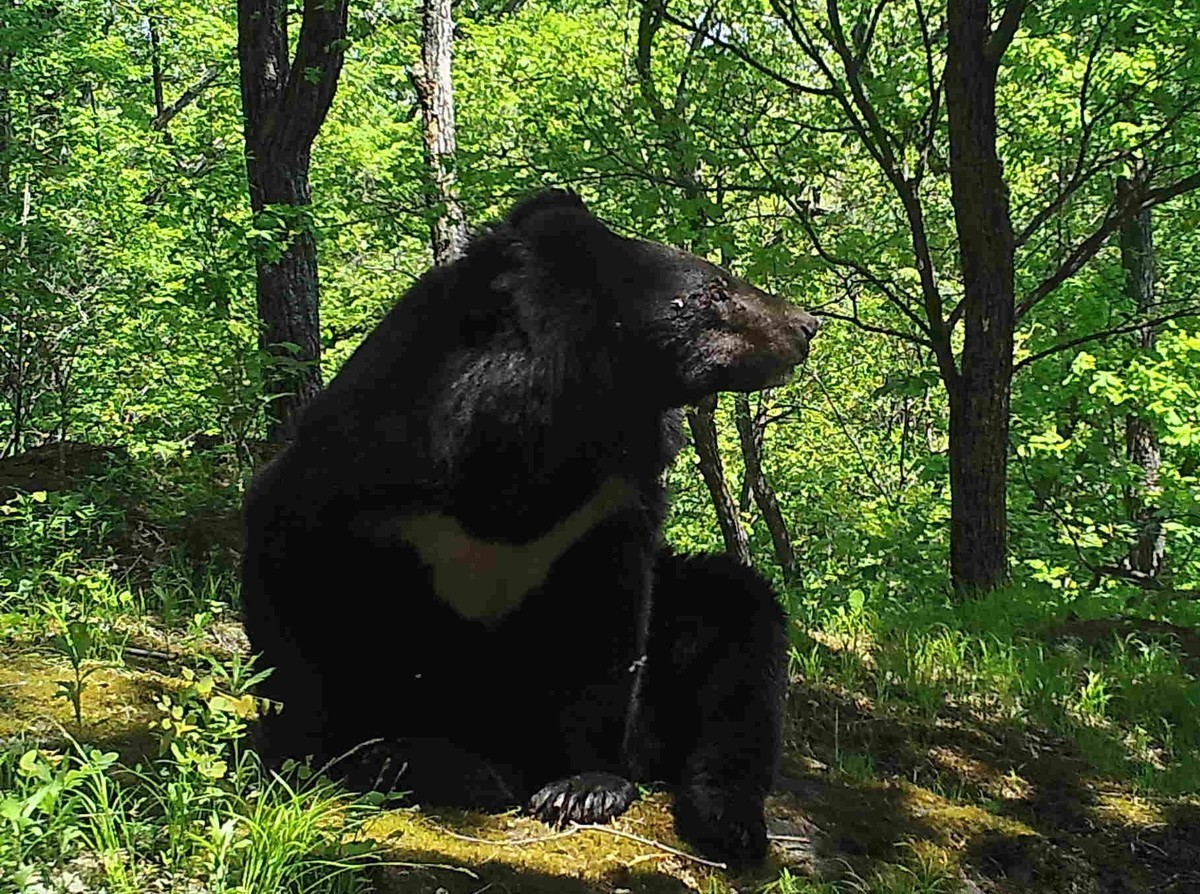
(784, 369)
(762, 375)
(781, 378)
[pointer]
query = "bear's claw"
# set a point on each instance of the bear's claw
(586, 798)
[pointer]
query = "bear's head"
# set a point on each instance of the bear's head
(686, 327)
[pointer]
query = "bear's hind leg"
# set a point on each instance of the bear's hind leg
(711, 707)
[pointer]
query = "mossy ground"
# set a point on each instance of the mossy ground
(1001, 746)
(954, 804)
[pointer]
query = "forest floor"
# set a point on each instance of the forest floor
(889, 784)
(953, 805)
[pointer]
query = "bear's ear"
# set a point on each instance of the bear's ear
(548, 200)
(557, 227)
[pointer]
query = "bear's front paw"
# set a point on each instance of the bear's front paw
(586, 798)
(724, 825)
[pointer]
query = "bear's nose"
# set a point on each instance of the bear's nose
(802, 325)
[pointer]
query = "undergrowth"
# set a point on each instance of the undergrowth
(84, 574)
(199, 812)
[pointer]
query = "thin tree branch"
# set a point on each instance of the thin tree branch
(802, 39)
(869, 37)
(694, 45)
(313, 78)
(933, 112)
(803, 214)
(837, 40)
(871, 327)
(189, 96)
(781, 79)
(1081, 177)
(1077, 177)
(1006, 30)
(1107, 333)
(905, 187)
(862, 459)
(1117, 215)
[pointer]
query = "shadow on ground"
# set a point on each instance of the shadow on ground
(1017, 809)
(990, 808)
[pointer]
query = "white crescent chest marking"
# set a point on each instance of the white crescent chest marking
(484, 581)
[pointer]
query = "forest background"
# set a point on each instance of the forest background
(979, 496)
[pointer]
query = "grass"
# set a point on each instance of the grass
(1130, 701)
(935, 741)
(78, 818)
(192, 809)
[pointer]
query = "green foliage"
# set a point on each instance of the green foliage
(128, 318)
(205, 812)
(78, 818)
(75, 643)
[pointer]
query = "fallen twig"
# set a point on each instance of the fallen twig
(514, 842)
(585, 827)
(333, 762)
(649, 842)
(150, 653)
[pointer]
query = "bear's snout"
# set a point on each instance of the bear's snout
(787, 328)
(806, 324)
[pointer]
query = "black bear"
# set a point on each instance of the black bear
(458, 560)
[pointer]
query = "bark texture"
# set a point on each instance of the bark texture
(284, 103)
(1146, 556)
(979, 394)
(750, 428)
(702, 422)
(435, 92)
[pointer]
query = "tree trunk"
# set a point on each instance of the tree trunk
(289, 296)
(435, 92)
(750, 434)
(5, 124)
(156, 74)
(1146, 556)
(979, 394)
(702, 422)
(284, 103)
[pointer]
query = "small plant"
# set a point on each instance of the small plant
(787, 883)
(43, 811)
(75, 643)
(1094, 696)
(856, 767)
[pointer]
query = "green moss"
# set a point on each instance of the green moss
(517, 853)
(934, 804)
(118, 704)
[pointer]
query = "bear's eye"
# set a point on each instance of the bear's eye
(708, 294)
(711, 293)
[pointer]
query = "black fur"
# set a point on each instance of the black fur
(502, 392)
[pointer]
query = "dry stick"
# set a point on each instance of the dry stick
(333, 762)
(649, 842)
(515, 842)
(591, 827)
(151, 653)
